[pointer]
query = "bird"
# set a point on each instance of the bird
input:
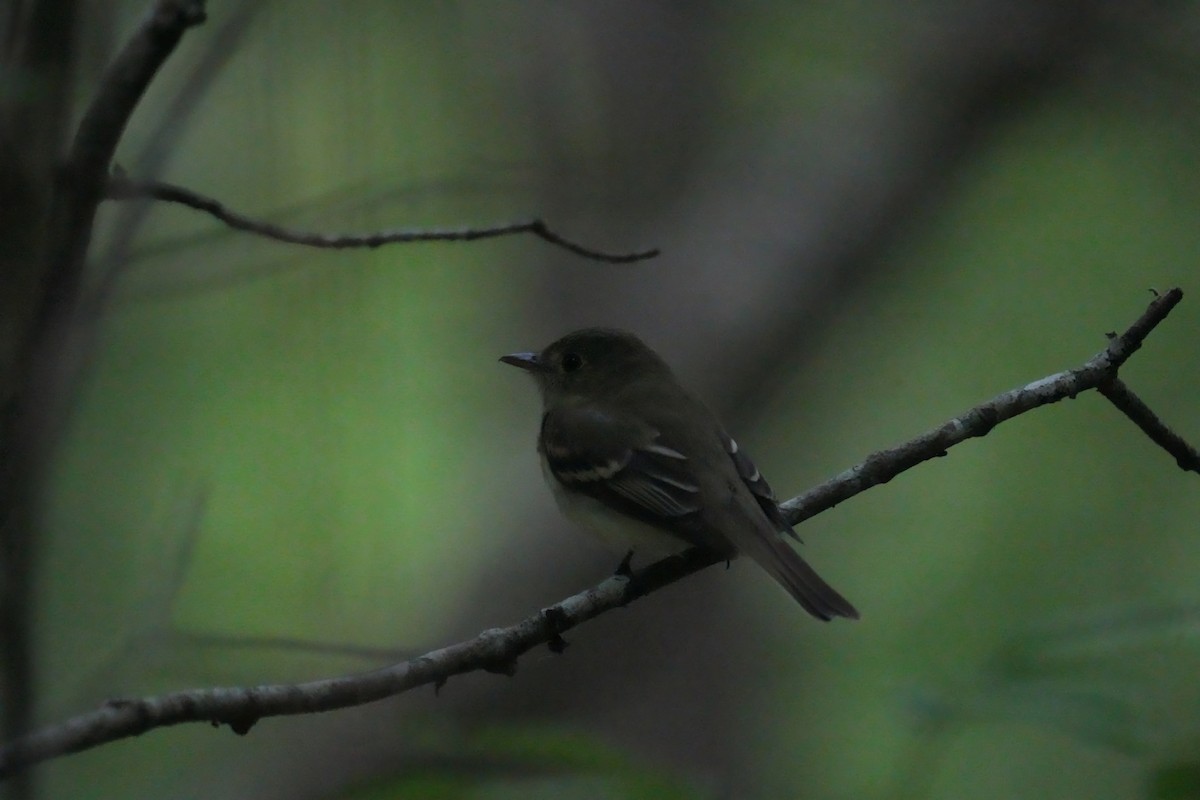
(638, 460)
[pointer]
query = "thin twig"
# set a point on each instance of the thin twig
(881, 467)
(1136, 409)
(498, 649)
(121, 187)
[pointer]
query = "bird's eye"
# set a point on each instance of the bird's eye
(572, 362)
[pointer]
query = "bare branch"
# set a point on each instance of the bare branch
(495, 650)
(498, 649)
(1133, 407)
(85, 174)
(881, 467)
(122, 188)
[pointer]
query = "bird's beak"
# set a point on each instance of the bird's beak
(526, 361)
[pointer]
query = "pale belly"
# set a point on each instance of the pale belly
(617, 532)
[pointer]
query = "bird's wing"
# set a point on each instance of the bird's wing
(621, 462)
(774, 554)
(758, 486)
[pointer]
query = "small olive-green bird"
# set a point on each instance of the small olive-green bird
(638, 460)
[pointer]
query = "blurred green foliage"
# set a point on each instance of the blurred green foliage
(290, 445)
(529, 762)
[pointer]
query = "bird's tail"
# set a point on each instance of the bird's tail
(802, 581)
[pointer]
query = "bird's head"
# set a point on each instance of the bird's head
(593, 362)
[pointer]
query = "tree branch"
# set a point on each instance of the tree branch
(881, 467)
(122, 188)
(1136, 409)
(30, 414)
(498, 649)
(85, 173)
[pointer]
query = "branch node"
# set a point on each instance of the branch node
(502, 666)
(499, 655)
(172, 16)
(633, 588)
(987, 418)
(241, 725)
(556, 622)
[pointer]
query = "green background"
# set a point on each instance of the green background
(280, 451)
